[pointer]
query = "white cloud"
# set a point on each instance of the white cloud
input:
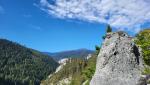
(124, 14)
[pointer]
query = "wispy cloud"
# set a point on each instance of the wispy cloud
(35, 27)
(125, 14)
(1, 10)
(27, 15)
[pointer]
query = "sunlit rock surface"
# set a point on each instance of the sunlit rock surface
(119, 62)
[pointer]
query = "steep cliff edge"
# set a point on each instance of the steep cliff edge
(119, 62)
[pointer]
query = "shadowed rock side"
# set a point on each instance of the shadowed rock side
(119, 62)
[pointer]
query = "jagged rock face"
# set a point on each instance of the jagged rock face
(119, 62)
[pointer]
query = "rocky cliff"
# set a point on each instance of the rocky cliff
(119, 62)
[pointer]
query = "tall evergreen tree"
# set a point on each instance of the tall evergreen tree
(109, 29)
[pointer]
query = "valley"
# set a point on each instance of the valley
(24, 66)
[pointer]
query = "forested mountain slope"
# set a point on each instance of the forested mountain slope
(76, 72)
(23, 66)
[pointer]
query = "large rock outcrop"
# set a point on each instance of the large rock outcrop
(119, 62)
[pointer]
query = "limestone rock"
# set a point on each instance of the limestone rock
(119, 62)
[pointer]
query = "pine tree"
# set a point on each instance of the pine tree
(97, 48)
(109, 29)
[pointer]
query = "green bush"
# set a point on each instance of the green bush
(143, 40)
(146, 71)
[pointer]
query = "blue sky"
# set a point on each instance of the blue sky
(39, 25)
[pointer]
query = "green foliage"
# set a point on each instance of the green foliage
(97, 48)
(109, 29)
(86, 73)
(146, 71)
(73, 67)
(103, 37)
(91, 66)
(79, 69)
(143, 40)
(23, 66)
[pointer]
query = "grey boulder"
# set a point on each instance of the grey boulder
(119, 62)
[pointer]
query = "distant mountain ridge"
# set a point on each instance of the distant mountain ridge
(79, 53)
